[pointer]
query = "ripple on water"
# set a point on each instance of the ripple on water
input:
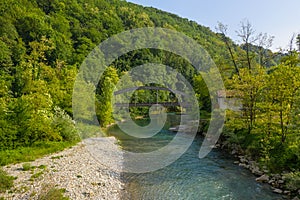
(214, 177)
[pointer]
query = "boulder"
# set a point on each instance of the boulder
(255, 170)
(263, 178)
(243, 159)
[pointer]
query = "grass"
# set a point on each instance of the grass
(52, 194)
(27, 167)
(56, 157)
(6, 181)
(27, 154)
(42, 167)
(36, 175)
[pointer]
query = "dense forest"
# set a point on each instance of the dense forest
(43, 43)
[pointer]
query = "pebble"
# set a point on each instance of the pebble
(75, 170)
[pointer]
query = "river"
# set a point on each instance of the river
(213, 177)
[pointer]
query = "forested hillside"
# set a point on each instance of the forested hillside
(43, 43)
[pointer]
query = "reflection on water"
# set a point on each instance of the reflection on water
(214, 177)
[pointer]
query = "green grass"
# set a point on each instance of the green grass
(53, 194)
(27, 154)
(6, 181)
(56, 157)
(27, 166)
(36, 175)
(42, 167)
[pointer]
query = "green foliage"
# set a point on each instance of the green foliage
(6, 181)
(248, 86)
(63, 124)
(267, 128)
(292, 180)
(42, 43)
(202, 93)
(104, 106)
(27, 166)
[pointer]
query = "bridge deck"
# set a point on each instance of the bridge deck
(166, 104)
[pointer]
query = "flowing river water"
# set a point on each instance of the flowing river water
(213, 177)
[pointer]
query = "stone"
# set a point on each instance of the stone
(233, 152)
(264, 178)
(278, 191)
(281, 181)
(244, 165)
(255, 170)
(286, 192)
(243, 160)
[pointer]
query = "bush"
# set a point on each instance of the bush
(64, 125)
(27, 166)
(6, 182)
(292, 180)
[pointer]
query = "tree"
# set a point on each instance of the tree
(202, 93)
(105, 91)
(248, 87)
(223, 30)
(264, 43)
(298, 42)
(246, 33)
(283, 90)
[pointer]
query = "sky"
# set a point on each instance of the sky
(280, 19)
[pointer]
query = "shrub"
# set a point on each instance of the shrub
(292, 180)
(64, 125)
(27, 166)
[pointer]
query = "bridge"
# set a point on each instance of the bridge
(148, 104)
(165, 104)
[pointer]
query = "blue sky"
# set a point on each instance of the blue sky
(280, 19)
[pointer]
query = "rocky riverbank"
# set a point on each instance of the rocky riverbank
(276, 181)
(74, 170)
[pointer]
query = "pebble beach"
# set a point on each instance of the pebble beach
(77, 171)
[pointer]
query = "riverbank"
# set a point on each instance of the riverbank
(73, 170)
(277, 181)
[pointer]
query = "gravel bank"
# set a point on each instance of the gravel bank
(76, 170)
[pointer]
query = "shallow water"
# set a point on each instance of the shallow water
(213, 177)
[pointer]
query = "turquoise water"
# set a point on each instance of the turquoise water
(214, 177)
